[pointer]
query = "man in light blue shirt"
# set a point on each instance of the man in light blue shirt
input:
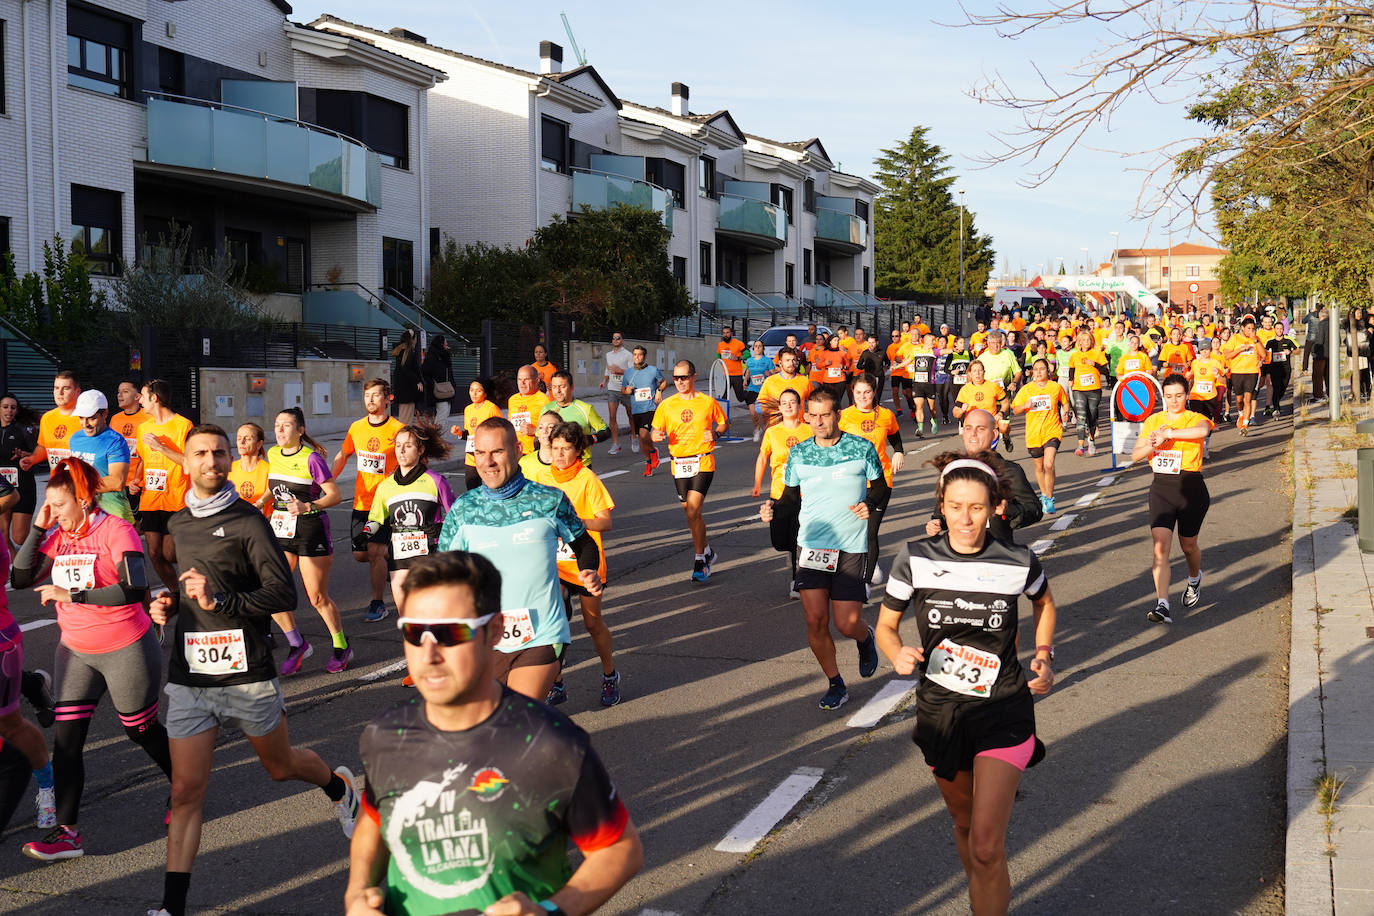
(103, 449)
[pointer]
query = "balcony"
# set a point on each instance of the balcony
(757, 223)
(228, 145)
(840, 232)
(594, 190)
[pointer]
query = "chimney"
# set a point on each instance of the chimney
(680, 95)
(408, 35)
(550, 58)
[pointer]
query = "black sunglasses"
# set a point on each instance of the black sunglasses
(445, 632)
(682, 378)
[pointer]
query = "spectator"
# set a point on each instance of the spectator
(437, 370)
(407, 384)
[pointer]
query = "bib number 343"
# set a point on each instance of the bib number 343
(963, 669)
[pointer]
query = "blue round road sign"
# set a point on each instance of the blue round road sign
(1135, 399)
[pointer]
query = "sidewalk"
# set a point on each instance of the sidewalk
(1330, 857)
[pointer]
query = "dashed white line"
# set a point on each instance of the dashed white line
(747, 834)
(611, 474)
(383, 671)
(1087, 499)
(34, 625)
(1040, 546)
(881, 704)
(1064, 522)
(1106, 481)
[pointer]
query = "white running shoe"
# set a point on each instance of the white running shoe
(758, 434)
(877, 575)
(346, 808)
(613, 450)
(634, 445)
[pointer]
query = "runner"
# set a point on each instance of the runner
(57, 424)
(1175, 356)
(538, 465)
(525, 406)
(1281, 347)
(686, 419)
(478, 410)
(777, 444)
(878, 425)
(979, 394)
(593, 504)
(163, 487)
(944, 385)
(1209, 383)
(870, 363)
(543, 367)
(222, 673)
(1088, 365)
(1002, 367)
(1173, 441)
(730, 351)
(975, 720)
(899, 371)
(107, 644)
(103, 449)
(126, 422)
(618, 361)
(1133, 359)
(467, 739)
(1041, 400)
(756, 369)
(832, 483)
(922, 364)
(249, 473)
(1022, 509)
(788, 376)
(518, 523)
(372, 438)
(571, 410)
(830, 368)
(302, 488)
(1244, 354)
(644, 386)
(18, 441)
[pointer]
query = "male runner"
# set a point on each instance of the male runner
(686, 419)
(1023, 509)
(786, 377)
(57, 425)
(525, 406)
(373, 440)
(222, 672)
(731, 353)
(103, 449)
(577, 411)
(833, 480)
(160, 441)
(899, 370)
(473, 792)
(643, 387)
(517, 524)
(921, 363)
(1244, 355)
(618, 360)
(126, 422)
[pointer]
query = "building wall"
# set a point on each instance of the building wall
(228, 402)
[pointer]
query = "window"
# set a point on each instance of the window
(680, 270)
(381, 124)
(554, 146)
(782, 196)
(789, 278)
(2, 67)
(809, 196)
(806, 266)
(706, 176)
(171, 72)
(436, 244)
(865, 281)
(398, 267)
(1164, 270)
(96, 221)
(1193, 270)
(705, 256)
(98, 50)
(669, 175)
(861, 210)
(5, 236)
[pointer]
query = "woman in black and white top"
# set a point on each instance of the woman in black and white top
(975, 721)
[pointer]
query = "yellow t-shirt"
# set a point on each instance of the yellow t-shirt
(875, 426)
(164, 481)
(1176, 454)
(1042, 401)
(54, 431)
(776, 446)
(475, 415)
(983, 397)
(523, 409)
(588, 496)
(1086, 374)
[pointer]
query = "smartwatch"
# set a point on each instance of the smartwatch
(550, 907)
(78, 595)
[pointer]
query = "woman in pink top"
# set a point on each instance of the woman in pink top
(96, 564)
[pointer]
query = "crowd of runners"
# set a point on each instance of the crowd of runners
(151, 535)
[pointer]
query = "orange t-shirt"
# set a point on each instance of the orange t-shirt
(524, 409)
(983, 397)
(1176, 357)
(54, 431)
(875, 426)
(894, 356)
(164, 480)
(775, 385)
(375, 446)
(731, 352)
(1176, 454)
(1209, 375)
(546, 372)
(251, 484)
(1042, 401)
(1244, 355)
(776, 446)
(828, 367)
(688, 423)
(1138, 361)
(475, 415)
(588, 496)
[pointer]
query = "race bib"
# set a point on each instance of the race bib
(155, 480)
(283, 524)
(818, 558)
(74, 570)
(1040, 402)
(921, 376)
(1203, 386)
(516, 630)
(57, 454)
(471, 444)
(686, 467)
(616, 381)
(960, 378)
(1133, 365)
(963, 669)
(644, 395)
(1088, 379)
(1167, 462)
(835, 373)
(520, 421)
(565, 553)
(1280, 356)
(756, 380)
(11, 476)
(217, 652)
(371, 462)
(407, 544)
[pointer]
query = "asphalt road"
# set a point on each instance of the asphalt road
(1163, 789)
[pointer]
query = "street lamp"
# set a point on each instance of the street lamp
(1086, 266)
(961, 252)
(1116, 238)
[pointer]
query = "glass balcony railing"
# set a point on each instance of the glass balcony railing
(838, 226)
(200, 134)
(758, 218)
(593, 190)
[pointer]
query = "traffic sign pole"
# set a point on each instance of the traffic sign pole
(1135, 397)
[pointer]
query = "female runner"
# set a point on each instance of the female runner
(777, 444)
(1042, 400)
(18, 439)
(1089, 365)
(480, 409)
(975, 721)
(877, 424)
(249, 473)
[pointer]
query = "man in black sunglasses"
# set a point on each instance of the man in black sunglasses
(472, 790)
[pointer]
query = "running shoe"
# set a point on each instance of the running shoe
(58, 844)
(634, 445)
(614, 449)
(610, 689)
(1049, 505)
(407, 681)
(1007, 444)
(758, 434)
(919, 433)
(792, 590)
(934, 427)
(710, 558)
(558, 694)
(346, 808)
(298, 654)
(1160, 614)
(868, 654)
(159, 913)
(1079, 451)
(36, 686)
(648, 469)
(1092, 448)
(339, 660)
(699, 573)
(835, 697)
(376, 611)
(654, 459)
(1192, 594)
(47, 808)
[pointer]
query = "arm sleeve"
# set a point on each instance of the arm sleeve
(23, 568)
(446, 496)
(1023, 508)
(894, 439)
(878, 490)
(588, 554)
(319, 468)
(276, 590)
(597, 423)
(596, 817)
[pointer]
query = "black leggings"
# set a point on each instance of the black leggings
(1278, 376)
(875, 518)
(944, 396)
(1085, 404)
(15, 770)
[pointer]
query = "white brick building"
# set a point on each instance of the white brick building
(752, 219)
(301, 152)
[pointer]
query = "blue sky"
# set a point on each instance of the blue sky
(859, 75)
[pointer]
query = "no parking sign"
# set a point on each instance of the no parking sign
(1135, 397)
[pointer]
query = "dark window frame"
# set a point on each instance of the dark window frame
(809, 195)
(784, 196)
(866, 280)
(861, 210)
(3, 35)
(561, 164)
(663, 173)
(707, 266)
(97, 209)
(706, 177)
(680, 270)
(401, 276)
(806, 267)
(789, 280)
(5, 246)
(96, 34)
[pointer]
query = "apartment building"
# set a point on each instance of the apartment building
(753, 220)
(1186, 274)
(300, 152)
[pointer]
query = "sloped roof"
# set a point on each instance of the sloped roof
(590, 71)
(1181, 248)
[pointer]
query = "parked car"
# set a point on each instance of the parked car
(776, 337)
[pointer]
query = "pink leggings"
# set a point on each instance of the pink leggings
(1017, 756)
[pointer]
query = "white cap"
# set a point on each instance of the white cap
(89, 402)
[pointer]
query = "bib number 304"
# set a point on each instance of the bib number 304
(216, 652)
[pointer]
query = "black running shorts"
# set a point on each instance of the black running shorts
(1245, 382)
(846, 583)
(1179, 499)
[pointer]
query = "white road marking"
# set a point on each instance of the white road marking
(657, 913)
(1087, 499)
(747, 834)
(383, 671)
(881, 704)
(1064, 522)
(1039, 547)
(34, 625)
(611, 474)
(1106, 481)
